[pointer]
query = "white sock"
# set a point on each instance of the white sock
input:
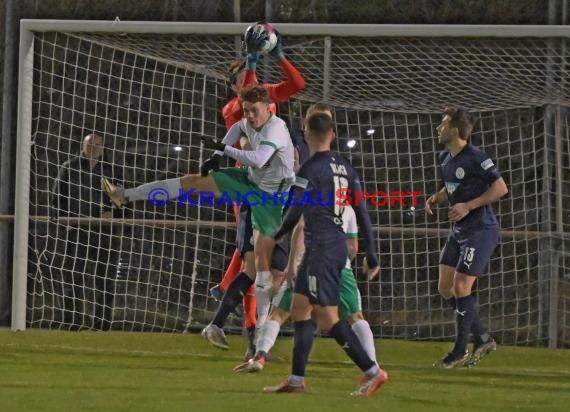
(366, 338)
(262, 296)
(142, 192)
(268, 335)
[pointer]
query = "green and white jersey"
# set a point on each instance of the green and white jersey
(277, 175)
(350, 227)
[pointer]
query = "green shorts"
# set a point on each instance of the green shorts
(266, 213)
(284, 298)
(350, 301)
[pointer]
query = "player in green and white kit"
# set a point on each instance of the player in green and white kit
(350, 302)
(268, 175)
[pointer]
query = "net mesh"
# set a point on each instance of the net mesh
(152, 96)
(393, 74)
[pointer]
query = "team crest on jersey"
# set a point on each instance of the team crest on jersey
(487, 164)
(459, 173)
(451, 186)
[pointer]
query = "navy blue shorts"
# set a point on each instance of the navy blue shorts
(469, 253)
(244, 240)
(244, 235)
(318, 277)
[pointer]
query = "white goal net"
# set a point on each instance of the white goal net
(152, 95)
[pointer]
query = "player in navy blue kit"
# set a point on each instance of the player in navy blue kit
(471, 183)
(317, 286)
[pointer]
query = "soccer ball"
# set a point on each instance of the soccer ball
(261, 37)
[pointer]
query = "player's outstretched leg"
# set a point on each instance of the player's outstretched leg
(160, 190)
(170, 188)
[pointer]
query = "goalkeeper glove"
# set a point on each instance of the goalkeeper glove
(213, 163)
(251, 60)
(212, 144)
(253, 41)
(277, 51)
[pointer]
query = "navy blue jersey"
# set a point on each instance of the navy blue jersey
(316, 198)
(298, 138)
(467, 176)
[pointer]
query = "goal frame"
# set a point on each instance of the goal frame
(24, 113)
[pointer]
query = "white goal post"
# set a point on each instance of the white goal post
(153, 87)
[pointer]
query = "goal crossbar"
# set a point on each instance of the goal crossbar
(300, 29)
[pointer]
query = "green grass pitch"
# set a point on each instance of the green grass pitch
(96, 371)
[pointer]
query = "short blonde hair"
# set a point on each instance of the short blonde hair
(320, 107)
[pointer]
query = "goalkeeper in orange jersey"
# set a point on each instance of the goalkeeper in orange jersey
(242, 74)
